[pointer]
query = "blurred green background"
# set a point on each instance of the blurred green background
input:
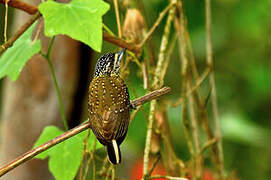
(241, 45)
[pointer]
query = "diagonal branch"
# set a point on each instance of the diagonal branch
(30, 9)
(32, 153)
(121, 43)
(10, 42)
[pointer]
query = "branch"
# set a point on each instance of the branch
(32, 153)
(121, 43)
(30, 9)
(10, 42)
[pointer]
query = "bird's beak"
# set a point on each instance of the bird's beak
(121, 53)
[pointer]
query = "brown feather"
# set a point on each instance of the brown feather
(109, 108)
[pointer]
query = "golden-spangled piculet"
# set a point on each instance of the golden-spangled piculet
(109, 104)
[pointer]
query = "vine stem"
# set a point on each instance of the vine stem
(61, 107)
(32, 153)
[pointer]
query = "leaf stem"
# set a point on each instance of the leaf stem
(61, 108)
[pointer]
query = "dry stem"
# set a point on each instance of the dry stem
(155, 85)
(209, 60)
(156, 24)
(195, 134)
(117, 16)
(6, 20)
(166, 177)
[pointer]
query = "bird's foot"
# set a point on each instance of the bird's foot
(132, 106)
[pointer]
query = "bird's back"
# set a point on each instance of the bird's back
(109, 107)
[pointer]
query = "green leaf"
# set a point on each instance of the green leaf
(64, 158)
(15, 57)
(79, 19)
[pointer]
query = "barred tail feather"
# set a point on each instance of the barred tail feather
(113, 152)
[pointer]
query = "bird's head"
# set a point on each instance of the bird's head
(109, 64)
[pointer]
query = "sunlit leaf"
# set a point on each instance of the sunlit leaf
(79, 19)
(15, 57)
(64, 158)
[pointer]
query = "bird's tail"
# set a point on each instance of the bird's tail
(113, 152)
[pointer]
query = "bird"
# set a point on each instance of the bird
(109, 104)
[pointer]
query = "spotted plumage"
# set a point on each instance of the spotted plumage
(109, 104)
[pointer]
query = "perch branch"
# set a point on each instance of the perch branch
(32, 153)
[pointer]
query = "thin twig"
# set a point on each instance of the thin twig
(145, 74)
(13, 38)
(32, 153)
(37, 33)
(200, 100)
(84, 153)
(170, 50)
(154, 164)
(166, 177)
(148, 139)
(208, 144)
(156, 24)
(209, 60)
(134, 113)
(112, 172)
(6, 20)
(30, 9)
(108, 30)
(155, 85)
(180, 26)
(199, 81)
(195, 134)
(117, 17)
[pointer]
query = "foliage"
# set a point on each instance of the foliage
(14, 59)
(79, 19)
